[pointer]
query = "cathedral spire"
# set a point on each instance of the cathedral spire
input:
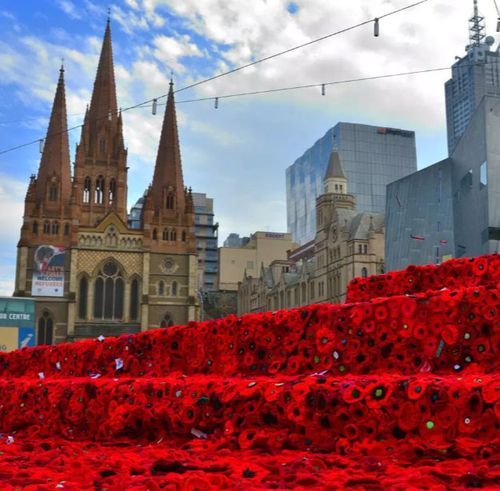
(55, 161)
(168, 185)
(103, 105)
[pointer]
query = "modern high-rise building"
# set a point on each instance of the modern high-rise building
(474, 75)
(206, 241)
(452, 208)
(372, 158)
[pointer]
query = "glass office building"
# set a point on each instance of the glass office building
(372, 157)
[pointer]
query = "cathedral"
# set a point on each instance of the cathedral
(89, 272)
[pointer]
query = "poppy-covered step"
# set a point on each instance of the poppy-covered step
(315, 411)
(444, 332)
(452, 274)
(36, 464)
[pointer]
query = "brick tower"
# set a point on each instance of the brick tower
(101, 157)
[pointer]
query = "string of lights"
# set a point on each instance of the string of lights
(206, 80)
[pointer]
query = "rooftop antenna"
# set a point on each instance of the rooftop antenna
(476, 27)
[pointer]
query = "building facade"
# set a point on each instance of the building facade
(348, 244)
(372, 158)
(261, 249)
(452, 208)
(206, 231)
(91, 273)
(474, 75)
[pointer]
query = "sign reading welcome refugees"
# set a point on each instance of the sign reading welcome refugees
(48, 271)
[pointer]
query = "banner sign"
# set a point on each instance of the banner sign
(48, 271)
(12, 338)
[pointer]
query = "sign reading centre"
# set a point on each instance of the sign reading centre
(48, 271)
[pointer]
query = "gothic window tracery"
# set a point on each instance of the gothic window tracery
(86, 190)
(109, 292)
(53, 192)
(99, 190)
(134, 300)
(167, 320)
(82, 297)
(170, 201)
(45, 329)
(112, 191)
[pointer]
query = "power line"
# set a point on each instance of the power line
(275, 55)
(308, 86)
(255, 92)
(289, 50)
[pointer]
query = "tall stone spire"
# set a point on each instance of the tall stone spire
(101, 156)
(103, 103)
(54, 176)
(167, 190)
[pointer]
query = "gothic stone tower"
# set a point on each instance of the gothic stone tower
(88, 271)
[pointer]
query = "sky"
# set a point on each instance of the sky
(236, 154)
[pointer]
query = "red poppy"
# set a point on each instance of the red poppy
(491, 391)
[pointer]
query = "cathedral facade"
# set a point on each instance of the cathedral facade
(89, 272)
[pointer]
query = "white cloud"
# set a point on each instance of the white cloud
(69, 9)
(128, 20)
(12, 193)
(171, 50)
(420, 38)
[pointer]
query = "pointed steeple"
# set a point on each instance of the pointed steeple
(168, 184)
(103, 105)
(101, 156)
(335, 180)
(55, 162)
(335, 168)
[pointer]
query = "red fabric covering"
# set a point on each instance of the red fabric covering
(453, 274)
(396, 392)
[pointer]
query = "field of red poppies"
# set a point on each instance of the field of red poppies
(396, 389)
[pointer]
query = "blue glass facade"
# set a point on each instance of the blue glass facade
(372, 157)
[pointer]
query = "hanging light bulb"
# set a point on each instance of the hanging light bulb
(155, 106)
(110, 116)
(216, 103)
(323, 91)
(41, 145)
(376, 28)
